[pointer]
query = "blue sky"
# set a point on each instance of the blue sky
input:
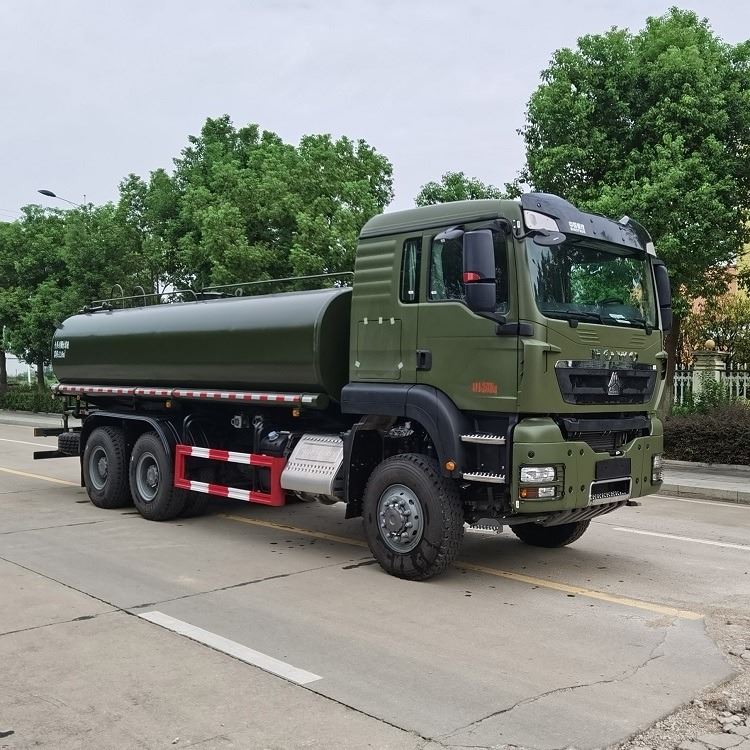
(94, 90)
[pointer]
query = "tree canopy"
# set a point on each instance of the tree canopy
(455, 186)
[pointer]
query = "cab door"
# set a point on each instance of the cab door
(473, 359)
(387, 301)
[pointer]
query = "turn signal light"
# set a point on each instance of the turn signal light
(537, 493)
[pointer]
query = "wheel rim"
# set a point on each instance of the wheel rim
(400, 518)
(147, 476)
(98, 467)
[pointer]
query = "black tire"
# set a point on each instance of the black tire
(105, 468)
(195, 504)
(69, 443)
(550, 536)
(154, 496)
(437, 542)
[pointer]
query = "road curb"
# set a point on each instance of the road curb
(671, 463)
(33, 419)
(740, 497)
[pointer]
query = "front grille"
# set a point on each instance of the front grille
(605, 434)
(602, 442)
(592, 382)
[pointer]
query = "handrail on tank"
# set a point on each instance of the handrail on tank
(117, 295)
(106, 304)
(239, 286)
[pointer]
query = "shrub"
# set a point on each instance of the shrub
(717, 436)
(30, 398)
(712, 395)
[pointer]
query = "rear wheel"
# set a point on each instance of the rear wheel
(550, 536)
(413, 517)
(154, 496)
(105, 468)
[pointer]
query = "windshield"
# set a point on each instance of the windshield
(573, 281)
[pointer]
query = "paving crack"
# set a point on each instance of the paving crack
(625, 675)
(58, 622)
(55, 526)
(241, 584)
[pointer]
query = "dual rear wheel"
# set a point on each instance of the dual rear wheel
(143, 478)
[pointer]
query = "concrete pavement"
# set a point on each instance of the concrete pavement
(515, 646)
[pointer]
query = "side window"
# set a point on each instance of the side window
(446, 271)
(410, 270)
(501, 273)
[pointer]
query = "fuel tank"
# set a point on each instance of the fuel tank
(295, 341)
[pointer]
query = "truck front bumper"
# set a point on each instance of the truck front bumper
(583, 477)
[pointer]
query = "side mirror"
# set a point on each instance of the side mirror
(664, 295)
(479, 271)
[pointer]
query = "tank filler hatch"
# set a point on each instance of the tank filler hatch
(315, 466)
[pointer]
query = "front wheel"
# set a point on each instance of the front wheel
(550, 536)
(413, 517)
(154, 496)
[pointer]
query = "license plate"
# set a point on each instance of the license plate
(612, 468)
(610, 491)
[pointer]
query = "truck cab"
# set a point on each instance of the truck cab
(526, 337)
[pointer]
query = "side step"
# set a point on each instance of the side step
(484, 439)
(484, 476)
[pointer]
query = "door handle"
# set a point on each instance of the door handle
(424, 359)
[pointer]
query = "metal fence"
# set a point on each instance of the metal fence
(683, 383)
(736, 378)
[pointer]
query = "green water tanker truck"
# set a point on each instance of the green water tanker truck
(492, 362)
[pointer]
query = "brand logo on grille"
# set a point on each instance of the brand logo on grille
(614, 387)
(615, 356)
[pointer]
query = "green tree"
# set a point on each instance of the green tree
(54, 263)
(727, 322)
(655, 125)
(36, 297)
(456, 186)
(244, 205)
(7, 282)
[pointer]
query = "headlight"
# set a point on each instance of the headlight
(657, 468)
(537, 474)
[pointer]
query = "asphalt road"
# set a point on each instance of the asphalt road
(256, 627)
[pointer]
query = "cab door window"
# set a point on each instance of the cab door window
(446, 271)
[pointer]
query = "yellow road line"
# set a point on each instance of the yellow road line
(29, 475)
(662, 609)
(296, 530)
(624, 601)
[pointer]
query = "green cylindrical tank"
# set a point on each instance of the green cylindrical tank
(297, 341)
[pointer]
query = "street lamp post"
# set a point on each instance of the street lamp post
(50, 194)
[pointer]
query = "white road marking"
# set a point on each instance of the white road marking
(26, 442)
(677, 537)
(702, 502)
(232, 648)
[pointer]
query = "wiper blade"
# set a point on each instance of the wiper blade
(640, 322)
(575, 315)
